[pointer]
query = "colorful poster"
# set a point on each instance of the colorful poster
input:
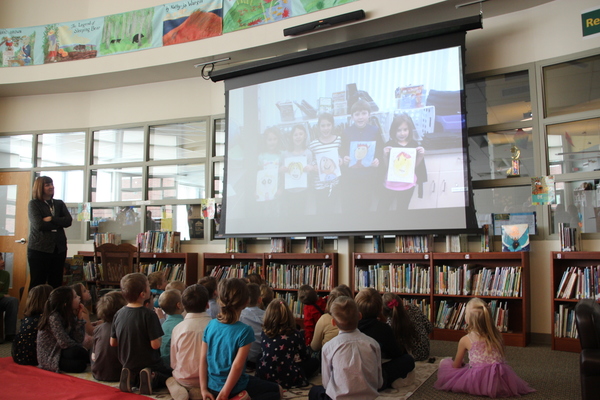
(362, 152)
(71, 41)
(542, 190)
(241, 14)
(402, 163)
(127, 32)
(18, 46)
(328, 165)
(189, 20)
(295, 177)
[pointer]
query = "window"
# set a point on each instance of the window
(500, 119)
(118, 146)
(16, 151)
(61, 149)
(178, 141)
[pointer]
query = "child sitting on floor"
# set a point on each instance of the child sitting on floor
(170, 303)
(351, 361)
(105, 358)
(24, 349)
(314, 307)
(284, 358)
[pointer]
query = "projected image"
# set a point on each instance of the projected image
(375, 146)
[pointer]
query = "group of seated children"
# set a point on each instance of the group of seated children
(200, 357)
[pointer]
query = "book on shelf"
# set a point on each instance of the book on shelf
(422, 304)
(281, 245)
(235, 245)
(159, 242)
(288, 276)
(456, 243)
(569, 237)
(172, 271)
(292, 300)
(579, 283)
(414, 243)
(240, 270)
(564, 322)
(378, 244)
(107, 237)
(487, 240)
(314, 244)
(451, 315)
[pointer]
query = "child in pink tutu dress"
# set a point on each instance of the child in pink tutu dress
(486, 374)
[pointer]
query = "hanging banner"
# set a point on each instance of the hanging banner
(189, 20)
(126, 32)
(71, 41)
(17, 46)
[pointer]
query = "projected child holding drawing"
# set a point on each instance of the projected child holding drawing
(358, 161)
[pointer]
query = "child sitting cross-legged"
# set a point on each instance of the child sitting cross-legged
(186, 341)
(225, 346)
(314, 307)
(105, 358)
(170, 302)
(253, 316)
(24, 350)
(399, 363)
(284, 358)
(137, 333)
(351, 361)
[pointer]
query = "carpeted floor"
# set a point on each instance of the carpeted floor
(554, 374)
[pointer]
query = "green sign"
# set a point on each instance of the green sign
(590, 22)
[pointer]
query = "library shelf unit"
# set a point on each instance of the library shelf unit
(320, 270)
(189, 259)
(518, 306)
(561, 262)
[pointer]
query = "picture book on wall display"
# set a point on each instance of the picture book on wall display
(515, 237)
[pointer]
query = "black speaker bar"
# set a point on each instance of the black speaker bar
(324, 23)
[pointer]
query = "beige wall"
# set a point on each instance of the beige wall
(531, 35)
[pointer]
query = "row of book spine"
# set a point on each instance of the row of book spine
(172, 272)
(564, 322)
(414, 243)
(235, 245)
(108, 237)
(397, 278)
(451, 315)
(240, 270)
(314, 244)
(569, 237)
(288, 276)
(580, 283)
(292, 300)
(472, 280)
(159, 242)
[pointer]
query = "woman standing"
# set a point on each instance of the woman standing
(47, 246)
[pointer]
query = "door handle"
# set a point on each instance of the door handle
(22, 241)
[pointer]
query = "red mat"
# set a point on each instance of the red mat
(26, 382)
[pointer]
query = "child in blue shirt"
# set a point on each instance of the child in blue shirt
(225, 346)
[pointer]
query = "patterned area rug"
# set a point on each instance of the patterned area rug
(423, 370)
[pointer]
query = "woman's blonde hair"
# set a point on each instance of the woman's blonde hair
(278, 319)
(233, 297)
(479, 320)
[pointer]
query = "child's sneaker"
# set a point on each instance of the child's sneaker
(177, 391)
(146, 381)
(243, 395)
(125, 381)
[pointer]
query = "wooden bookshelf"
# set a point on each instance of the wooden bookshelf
(269, 264)
(518, 306)
(189, 259)
(561, 262)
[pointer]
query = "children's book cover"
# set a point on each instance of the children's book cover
(515, 237)
(328, 164)
(542, 190)
(362, 153)
(266, 184)
(295, 177)
(402, 165)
